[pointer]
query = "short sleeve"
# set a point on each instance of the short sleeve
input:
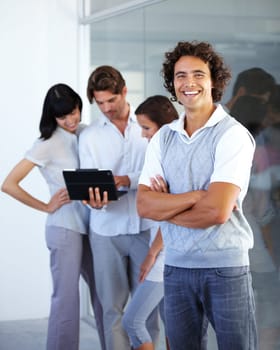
(39, 153)
(152, 164)
(233, 157)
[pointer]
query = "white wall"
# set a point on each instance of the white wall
(40, 46)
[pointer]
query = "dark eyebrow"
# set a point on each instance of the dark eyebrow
(180, 72)
(193, 71)
(199, 71)
(110, 100)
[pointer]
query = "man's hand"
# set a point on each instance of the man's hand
(122, 181)
(96, 201)
(158, 184)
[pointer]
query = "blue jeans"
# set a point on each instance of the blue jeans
(224, 296)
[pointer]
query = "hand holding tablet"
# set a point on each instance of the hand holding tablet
(78, 182)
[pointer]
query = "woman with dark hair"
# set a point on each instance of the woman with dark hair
(151, 114)
(67, 222)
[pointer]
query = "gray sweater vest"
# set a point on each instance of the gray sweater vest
(188, 167)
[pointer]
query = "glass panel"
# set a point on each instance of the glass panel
(114, 42)
(247, 34)
(100, 5)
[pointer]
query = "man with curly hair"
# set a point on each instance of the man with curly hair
(205, 159)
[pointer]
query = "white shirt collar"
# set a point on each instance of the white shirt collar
(215, 118)
(103, 120)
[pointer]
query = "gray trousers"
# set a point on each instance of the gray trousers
(117, 262)
(70, 257)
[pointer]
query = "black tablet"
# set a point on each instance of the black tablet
(78, 182)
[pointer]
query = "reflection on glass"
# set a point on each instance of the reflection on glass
(247, 34)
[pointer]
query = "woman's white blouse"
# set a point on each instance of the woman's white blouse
(52, 156)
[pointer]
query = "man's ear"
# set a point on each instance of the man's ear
(124, 91)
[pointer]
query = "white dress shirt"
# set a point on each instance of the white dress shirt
(103, 146)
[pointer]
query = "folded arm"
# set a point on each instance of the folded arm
(196, 209)
(162, 206)
(213, 209)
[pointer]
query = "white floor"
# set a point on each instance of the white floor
(31, 335)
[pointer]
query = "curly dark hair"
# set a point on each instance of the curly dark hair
(220, 73)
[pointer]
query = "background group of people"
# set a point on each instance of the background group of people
(256, 104)
(119, 238)
(184, 207)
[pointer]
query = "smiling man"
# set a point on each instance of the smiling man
(207, 238)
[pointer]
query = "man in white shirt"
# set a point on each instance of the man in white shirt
(206, 238)
(119, 237)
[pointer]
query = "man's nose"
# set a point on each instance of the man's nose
(189, 82)
(144, 133)
(106, 107)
